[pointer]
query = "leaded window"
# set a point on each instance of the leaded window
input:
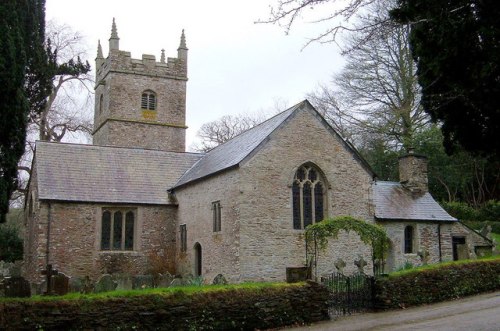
(148, 100)
(216, 216)
(308, 197)
(118, 229)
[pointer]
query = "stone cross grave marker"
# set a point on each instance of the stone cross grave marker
(361, 264)
(340, 265)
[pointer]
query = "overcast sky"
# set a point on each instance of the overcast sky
(235, 66)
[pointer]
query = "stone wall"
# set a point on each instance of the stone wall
(220, 250)
(269, 243)
(225, 309)
(74, 240)
(425, 240)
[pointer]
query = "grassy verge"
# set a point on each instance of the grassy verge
(167, 291)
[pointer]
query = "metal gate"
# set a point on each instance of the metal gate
(349, 294)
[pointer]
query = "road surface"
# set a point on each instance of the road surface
(476, 313)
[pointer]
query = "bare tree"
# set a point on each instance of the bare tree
(227, 127)
(377, 92)
(338, 16)
(67, 114)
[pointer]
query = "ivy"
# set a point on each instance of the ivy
(370, 234)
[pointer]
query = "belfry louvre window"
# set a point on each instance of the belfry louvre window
(308, 196)
(117, 229)
(216, 216)
(148, 100)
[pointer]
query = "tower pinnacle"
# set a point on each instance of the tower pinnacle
(99, 60)
(114, 41)
(182, 50)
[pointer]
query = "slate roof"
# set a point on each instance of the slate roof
(393, 202)
(74, 172)
(232, 152)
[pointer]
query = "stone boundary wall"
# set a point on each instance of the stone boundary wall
(225, 309)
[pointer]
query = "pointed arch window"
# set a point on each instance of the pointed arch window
(148, 100)
(308, 196)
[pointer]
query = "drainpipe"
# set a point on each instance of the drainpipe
(439, 242)
(49, 218)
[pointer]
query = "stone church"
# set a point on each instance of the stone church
(135, 197)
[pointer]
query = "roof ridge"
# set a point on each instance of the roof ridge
(112, 147)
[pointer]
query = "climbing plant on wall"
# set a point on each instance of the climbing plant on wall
(318, 234)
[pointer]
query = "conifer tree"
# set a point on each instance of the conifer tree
(24, 81)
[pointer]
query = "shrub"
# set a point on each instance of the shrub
(11, 246)
(437, 283)
(490, 211)
(460, 210)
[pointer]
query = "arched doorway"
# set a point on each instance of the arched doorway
(197, 259)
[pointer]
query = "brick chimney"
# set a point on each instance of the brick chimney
(413, 172)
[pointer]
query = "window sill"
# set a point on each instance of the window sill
(119, 252)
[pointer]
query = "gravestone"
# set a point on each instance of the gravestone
(340, 265)
(140, 282)
(15, 287)
(123, 281)
(424, 256)
(294, 274)
(361, 264)
(105, 284)
(88, 285)
(164, 280)
(49, 272)
(60, 284)
(176, 282)
(220, 280)
(75, 284)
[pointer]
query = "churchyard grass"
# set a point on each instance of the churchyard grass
(440, 265)
(166, 291)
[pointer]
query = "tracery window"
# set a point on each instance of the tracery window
(308, 196)
(148, 100)
(117, 229)
(408, 240)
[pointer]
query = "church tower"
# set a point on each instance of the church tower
(140, 103)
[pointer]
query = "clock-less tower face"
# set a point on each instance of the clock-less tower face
(140, 103)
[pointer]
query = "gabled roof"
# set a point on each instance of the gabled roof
(393, 202)
(231, 153)
(74, 172)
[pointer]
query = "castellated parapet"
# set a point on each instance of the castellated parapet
(140, 102)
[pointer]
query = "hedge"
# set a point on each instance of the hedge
(455, 280)
(224, 309)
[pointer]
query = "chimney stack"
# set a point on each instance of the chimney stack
(413, 172)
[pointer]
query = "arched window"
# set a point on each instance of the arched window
(308, 196)
(148, 100)
(409, 244)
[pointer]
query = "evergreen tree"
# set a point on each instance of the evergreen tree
(24, 81)
(457, 48)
